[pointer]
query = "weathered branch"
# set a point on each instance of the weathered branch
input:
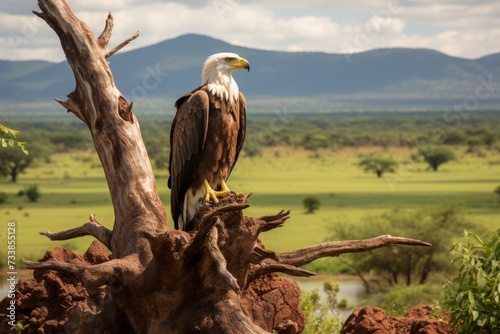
(117, 272)
(273, 221)
(216, 255)
(122, 44)
(91, 227)
(209, 216)
(259, 254)
(270, 266)
(105, 36)
(306, 255)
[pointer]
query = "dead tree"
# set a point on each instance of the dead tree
(161, 280)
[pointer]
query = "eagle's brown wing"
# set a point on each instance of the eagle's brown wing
(187, 138)
(243, 125)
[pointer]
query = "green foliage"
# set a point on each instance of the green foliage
(32, 193)
(378, 165)
(252, 151)
(7, 138)
(311, 203)
(435, 156)
(405, 264)
(472, 298)
(162, 161)
(400, 299)
(315, 141)
(3, 197)
(320, 317)
(19, 327)
(13, 162)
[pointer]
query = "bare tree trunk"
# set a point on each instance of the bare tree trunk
(162, 281)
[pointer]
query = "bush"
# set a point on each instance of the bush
(319, 315)
(311, 203)
(252, 151)
(497, 191)
(473, 297)
(3, 198)
(400, 299)
(32, 193)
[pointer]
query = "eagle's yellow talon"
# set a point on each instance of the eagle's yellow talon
(211, 194)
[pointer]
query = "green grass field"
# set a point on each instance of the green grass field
(73, 186)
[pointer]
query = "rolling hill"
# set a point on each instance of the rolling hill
(373, 80)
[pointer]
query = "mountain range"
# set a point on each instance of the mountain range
(393, 78)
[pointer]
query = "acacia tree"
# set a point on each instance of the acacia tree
(161, 280)
(406, 265)
(311, 203)
(13, 162)
(435, 156)
(378, 165)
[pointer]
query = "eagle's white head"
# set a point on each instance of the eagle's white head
(217, 74)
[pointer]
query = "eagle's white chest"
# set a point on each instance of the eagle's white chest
(224, 88)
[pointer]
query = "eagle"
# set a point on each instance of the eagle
(206, 137)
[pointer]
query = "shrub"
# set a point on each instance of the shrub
(311, 203)
(400, 299)
(252, 151)
(497, 191)
(32, 193)
(319, 314)
(3, 197)
(472, 298)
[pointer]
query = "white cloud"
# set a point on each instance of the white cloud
(460, 28)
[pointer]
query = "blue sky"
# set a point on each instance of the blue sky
(468, 29)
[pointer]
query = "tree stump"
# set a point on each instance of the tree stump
(214, 279)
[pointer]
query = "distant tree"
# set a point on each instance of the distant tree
(435, 156)
(3, 197)
(378, 165)
(32, 193)
(252, 151)
(162, 160)
(314, 141)
(311, 203)
(473, 144)
(13, 161)
(489, 138)
(438, 226)
(454, 137)
(497, 191)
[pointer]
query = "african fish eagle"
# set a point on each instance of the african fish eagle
(206, 138)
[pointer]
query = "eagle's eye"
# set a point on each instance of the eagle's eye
(228, 60)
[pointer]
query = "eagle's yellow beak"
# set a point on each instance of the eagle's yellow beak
(241, 63)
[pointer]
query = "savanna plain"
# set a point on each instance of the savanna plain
(280, 174)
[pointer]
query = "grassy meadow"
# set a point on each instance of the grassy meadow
(72, 186)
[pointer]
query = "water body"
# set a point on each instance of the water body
(350, 288)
